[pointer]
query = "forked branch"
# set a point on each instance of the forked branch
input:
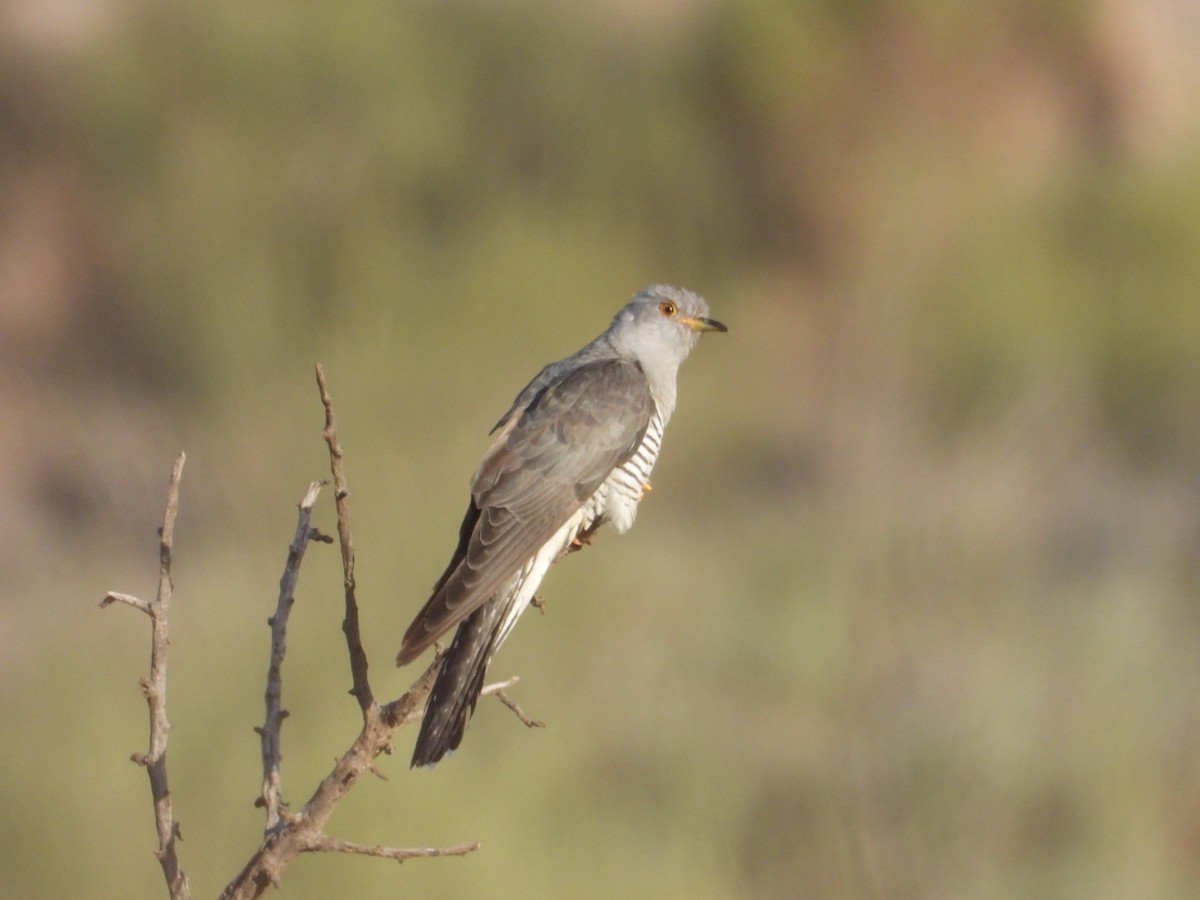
(286, 834)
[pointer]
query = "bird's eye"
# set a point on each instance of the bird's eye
(667, 308)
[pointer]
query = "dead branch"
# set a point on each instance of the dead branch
(304, 831)
(154, 689)
(516, 708)
(269, 733)
(332, 845)
(288, 834)
(128, 599)
(361, 687)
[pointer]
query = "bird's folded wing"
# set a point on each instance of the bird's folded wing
(537, 474)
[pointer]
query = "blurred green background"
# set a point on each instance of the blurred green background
(912, 610)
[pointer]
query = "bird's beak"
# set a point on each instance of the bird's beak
(698, 324)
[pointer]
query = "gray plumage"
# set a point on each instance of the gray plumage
(574, 451)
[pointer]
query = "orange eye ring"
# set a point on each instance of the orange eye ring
(667, 308)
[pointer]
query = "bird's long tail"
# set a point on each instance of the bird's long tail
(459, 682)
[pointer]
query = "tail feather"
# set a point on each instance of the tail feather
(458, 684)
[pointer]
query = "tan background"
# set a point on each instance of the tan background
(912, 610)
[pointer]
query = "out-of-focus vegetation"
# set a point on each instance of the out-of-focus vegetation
(913, 610)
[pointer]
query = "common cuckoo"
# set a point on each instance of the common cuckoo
(574, 451)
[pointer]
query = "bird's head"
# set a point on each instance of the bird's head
(662, 322)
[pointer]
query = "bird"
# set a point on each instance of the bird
(574, 451)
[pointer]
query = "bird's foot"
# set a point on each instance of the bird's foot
(581, 540)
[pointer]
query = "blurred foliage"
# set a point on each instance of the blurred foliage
(912, 610)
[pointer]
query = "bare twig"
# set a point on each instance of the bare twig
(361, 686)
(128, 599)
(154, 689)
(414, 713)
(269, 733)
(333, 845)
(516, 708)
